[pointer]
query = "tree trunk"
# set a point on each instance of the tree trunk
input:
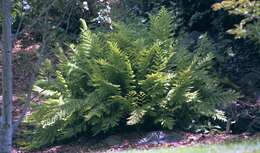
(6, 123)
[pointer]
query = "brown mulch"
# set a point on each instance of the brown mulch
(98, 146)
(24, 58)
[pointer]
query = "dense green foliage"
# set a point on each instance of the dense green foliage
(124, 78)
(127, 69)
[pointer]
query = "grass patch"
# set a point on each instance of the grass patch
(252, 146)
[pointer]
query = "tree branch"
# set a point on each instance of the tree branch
(29, 94)
(42, 56)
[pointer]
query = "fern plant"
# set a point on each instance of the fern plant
(101, 85)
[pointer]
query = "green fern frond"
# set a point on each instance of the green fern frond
(61, 109)
(152, 60)
(166, 122)
(161, 25)
(85, 39)
(136, 116)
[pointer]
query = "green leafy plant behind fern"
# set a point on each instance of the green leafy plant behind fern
(102, 85)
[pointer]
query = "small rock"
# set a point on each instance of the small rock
(159, 137)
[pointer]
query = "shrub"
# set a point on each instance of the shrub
(136, 75)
